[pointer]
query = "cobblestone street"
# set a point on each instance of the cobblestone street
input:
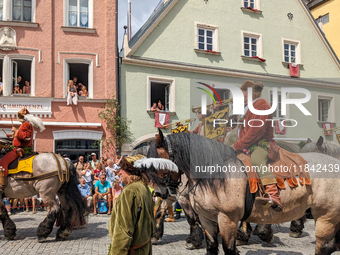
(95, 239)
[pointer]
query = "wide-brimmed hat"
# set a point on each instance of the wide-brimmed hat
(257, 86)
(23, 112)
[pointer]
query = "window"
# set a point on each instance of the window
(324, 19)
(22, 10)
(252, 44)
(1, 10)
(324, 105)
(18, 10)
(160, 92)
(75, 148)
(21, 72)
(161, 89)
(206, 37)
(78, 13)
(251, 4)
(83, 70)
(21, 76)
(291, 51)
(277, 114)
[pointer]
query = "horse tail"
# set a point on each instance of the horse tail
(72, 200)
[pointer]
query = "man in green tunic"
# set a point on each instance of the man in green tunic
(132, 223)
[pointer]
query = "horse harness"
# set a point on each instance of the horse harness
(63, 174)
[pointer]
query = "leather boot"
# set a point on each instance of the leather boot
(178, 215)
(171, 214)
(271, 198)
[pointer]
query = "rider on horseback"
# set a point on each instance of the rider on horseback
(257, 137)
(22, 137)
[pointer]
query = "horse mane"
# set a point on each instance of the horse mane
(329, 147)
(192, 150)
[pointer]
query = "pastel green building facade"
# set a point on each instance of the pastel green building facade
(167, 49)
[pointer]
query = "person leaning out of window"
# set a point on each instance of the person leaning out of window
(72, 96)
(27, 88)
(17, 89)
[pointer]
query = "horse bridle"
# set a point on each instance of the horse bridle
(172, 183)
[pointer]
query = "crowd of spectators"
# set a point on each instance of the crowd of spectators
(75, 89)
(15, 205)
(98, 180)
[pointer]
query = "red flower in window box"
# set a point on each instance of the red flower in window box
(261, 59)
(255, 10)
(211, 51)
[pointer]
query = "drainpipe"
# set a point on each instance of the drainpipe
(118, 63)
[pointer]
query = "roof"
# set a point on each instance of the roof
(314, 3)
(148, 24)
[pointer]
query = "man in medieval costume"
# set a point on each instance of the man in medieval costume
(132, 222)
(254, 140)
(22, 140)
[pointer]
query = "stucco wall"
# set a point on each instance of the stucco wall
(166, 44)
(134, 101)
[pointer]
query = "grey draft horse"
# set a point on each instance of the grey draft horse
(265, 231)
(220, 202)
(72, 205)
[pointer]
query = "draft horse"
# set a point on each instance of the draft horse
(219, 199)
(72, 205)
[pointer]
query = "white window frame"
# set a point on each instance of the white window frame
(7, 73)
(259, 47)
(287, 116)
(256, 4)
(297, 51)
(8, 11)
(214, 28)
(331, 110)
(66, 21)
(89, 62)
(172, 97)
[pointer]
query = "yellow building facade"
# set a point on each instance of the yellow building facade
(327, 15)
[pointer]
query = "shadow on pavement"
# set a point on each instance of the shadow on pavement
(272, 252)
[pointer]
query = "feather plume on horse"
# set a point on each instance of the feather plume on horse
(220, 199)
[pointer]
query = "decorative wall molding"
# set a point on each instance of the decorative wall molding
(79, 53)
(77, 134)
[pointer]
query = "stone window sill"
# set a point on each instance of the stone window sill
(153, 113)
(287, 64)
(18, 23)
(217, 53)
(21, 95)
(253, 59)
(250, 10)
(79, 29)
(322, 122)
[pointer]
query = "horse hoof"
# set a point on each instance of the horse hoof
(189, 246)
(42, 239)
(240, 242)
(271, 240)
(155, 241)
(294, 234)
